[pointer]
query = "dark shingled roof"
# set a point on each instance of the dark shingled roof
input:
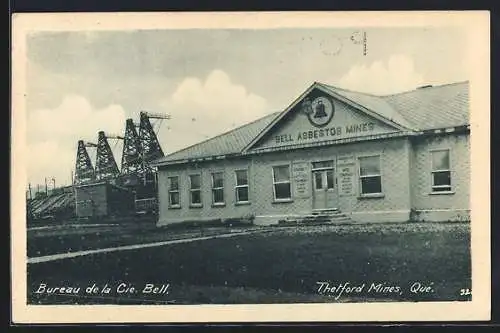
(434, 107)
(425, 108)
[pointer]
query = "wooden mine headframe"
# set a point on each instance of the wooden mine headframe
(84, 171)
(132, 151)
(140, 148)
(106, 167)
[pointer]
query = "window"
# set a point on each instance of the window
(173, 192)
(218, 188)
(441, 175)
(195, 190)
(281, 182)
(323, 175)
(318, 180)
(369, 174)
(241, 188)
(329, 179)
(322, 165)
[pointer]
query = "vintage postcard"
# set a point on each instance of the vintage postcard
(250, 167)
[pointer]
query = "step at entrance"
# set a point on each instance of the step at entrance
(325, 211)
(318, 217)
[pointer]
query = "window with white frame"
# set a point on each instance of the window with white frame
(195, 190)
(369, 175)
(441, 174)
(218, 188)
(281, 182)
(241, 188)
(173, 192)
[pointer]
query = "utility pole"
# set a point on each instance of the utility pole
(46, 189)
(144, 168)
(29, 189)
(73, 184)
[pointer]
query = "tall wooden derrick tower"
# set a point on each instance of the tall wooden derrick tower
(139, 149)
(151, 149)
(84, 170)
(106, 167)
(105, 189)
(132, 165)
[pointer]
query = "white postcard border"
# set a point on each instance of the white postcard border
(476, 24)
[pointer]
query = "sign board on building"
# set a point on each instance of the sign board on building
(346, 170)
(319, 119)
(301, 179)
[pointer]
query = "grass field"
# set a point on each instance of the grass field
(282, 265)
(72, 238)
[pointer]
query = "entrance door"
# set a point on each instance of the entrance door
(324, 189)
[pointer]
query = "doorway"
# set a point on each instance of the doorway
(324, 187)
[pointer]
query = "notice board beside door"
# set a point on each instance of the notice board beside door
(301, 174)
(346, 170)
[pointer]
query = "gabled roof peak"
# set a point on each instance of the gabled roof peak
(344, 89)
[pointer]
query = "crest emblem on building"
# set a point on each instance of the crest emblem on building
(319, 111)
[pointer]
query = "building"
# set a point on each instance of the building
(103, 199)
(393, 158)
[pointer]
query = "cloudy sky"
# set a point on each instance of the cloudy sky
(209, 81)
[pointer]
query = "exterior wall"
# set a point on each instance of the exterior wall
(406, 184)
(453, 206)
(207, 212)
(394, 205)
(120, 201)
(91, 201)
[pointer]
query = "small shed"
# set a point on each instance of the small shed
(103, 199)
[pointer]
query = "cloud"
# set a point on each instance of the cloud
(49, 159)
(199, 108)
(76, 118)
(53, 135)
(202, 109)
(397, 74)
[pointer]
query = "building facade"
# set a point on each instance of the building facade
(103, 199)
(395, 158)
